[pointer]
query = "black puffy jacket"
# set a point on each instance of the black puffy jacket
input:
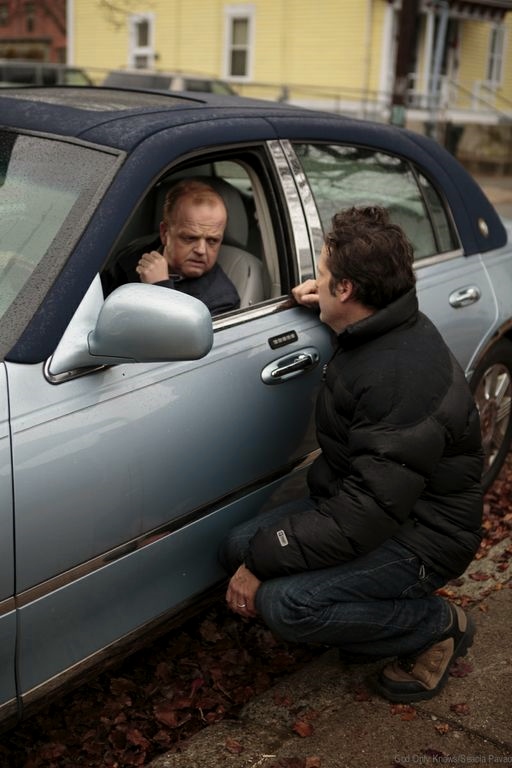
(401, 454)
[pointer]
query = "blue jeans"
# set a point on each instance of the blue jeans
(378, 605)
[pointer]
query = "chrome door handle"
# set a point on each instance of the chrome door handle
(464, 296)
(292, 365)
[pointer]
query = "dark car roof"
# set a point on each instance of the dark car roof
(104, 112)
(123, 118)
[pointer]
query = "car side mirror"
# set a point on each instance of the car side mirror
(136, 323)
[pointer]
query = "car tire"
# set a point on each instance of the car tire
(491, 385)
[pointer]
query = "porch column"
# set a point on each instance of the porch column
(427, 54)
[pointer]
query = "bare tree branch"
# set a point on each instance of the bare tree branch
(116, 11)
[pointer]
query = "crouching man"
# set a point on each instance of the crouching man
(395, 502)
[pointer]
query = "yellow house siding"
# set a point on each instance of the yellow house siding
(98, 43)
(321, 46)
(473, 52)
(376, 44)
(295, 41)
(188, 36)
(337, 47)
(474, 55)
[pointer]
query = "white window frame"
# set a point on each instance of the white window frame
(388, 52)
(496, 54)
(135, 50)
(247, 13)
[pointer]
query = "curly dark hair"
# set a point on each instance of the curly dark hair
(364, 247)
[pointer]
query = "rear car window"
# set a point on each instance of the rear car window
(343, 176)
(136, 80)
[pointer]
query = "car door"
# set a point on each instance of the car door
(453, 290)
(128, 477)
(7, 606)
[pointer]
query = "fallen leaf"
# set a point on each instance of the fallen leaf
(52, 751)
(303, 728)
(362, 694)
(210, 631)
(233, 746)
(479, 576)
(406, 711)
(460, 668)
(282, 700)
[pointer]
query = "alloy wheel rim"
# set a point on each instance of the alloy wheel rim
(493, 397)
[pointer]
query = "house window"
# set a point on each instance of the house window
(496, 54)
(142, 53)
(30, 22)
(4, 14)
(239, 32)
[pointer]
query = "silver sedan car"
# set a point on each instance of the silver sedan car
(136, 429)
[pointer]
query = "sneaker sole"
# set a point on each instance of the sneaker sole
(464, 644)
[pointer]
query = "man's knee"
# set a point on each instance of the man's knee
(282, 611)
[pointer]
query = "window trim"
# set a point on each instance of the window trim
(136, 50)
(231, 13)
(496, 54)
(5, 19)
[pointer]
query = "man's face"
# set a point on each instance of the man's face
(331, 309)
(192, 241)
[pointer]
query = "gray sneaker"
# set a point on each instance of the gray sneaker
(413, 678)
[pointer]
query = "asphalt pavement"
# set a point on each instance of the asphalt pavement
(326, 716)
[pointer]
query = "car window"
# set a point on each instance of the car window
(207, 85)
(42, 200)
(248, 255)
(75, 77)
(342, 176)
(137, 80)
(24, 73)
(18, 74)
(197, 84)
(222, 88)
(442, 225)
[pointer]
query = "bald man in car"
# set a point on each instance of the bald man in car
(184, 257)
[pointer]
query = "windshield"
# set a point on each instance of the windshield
(46, 187)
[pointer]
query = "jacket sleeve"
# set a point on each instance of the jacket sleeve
(388, 468)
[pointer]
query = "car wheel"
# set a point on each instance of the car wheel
(491, 385)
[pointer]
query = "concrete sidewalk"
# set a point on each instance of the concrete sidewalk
(325, 716)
